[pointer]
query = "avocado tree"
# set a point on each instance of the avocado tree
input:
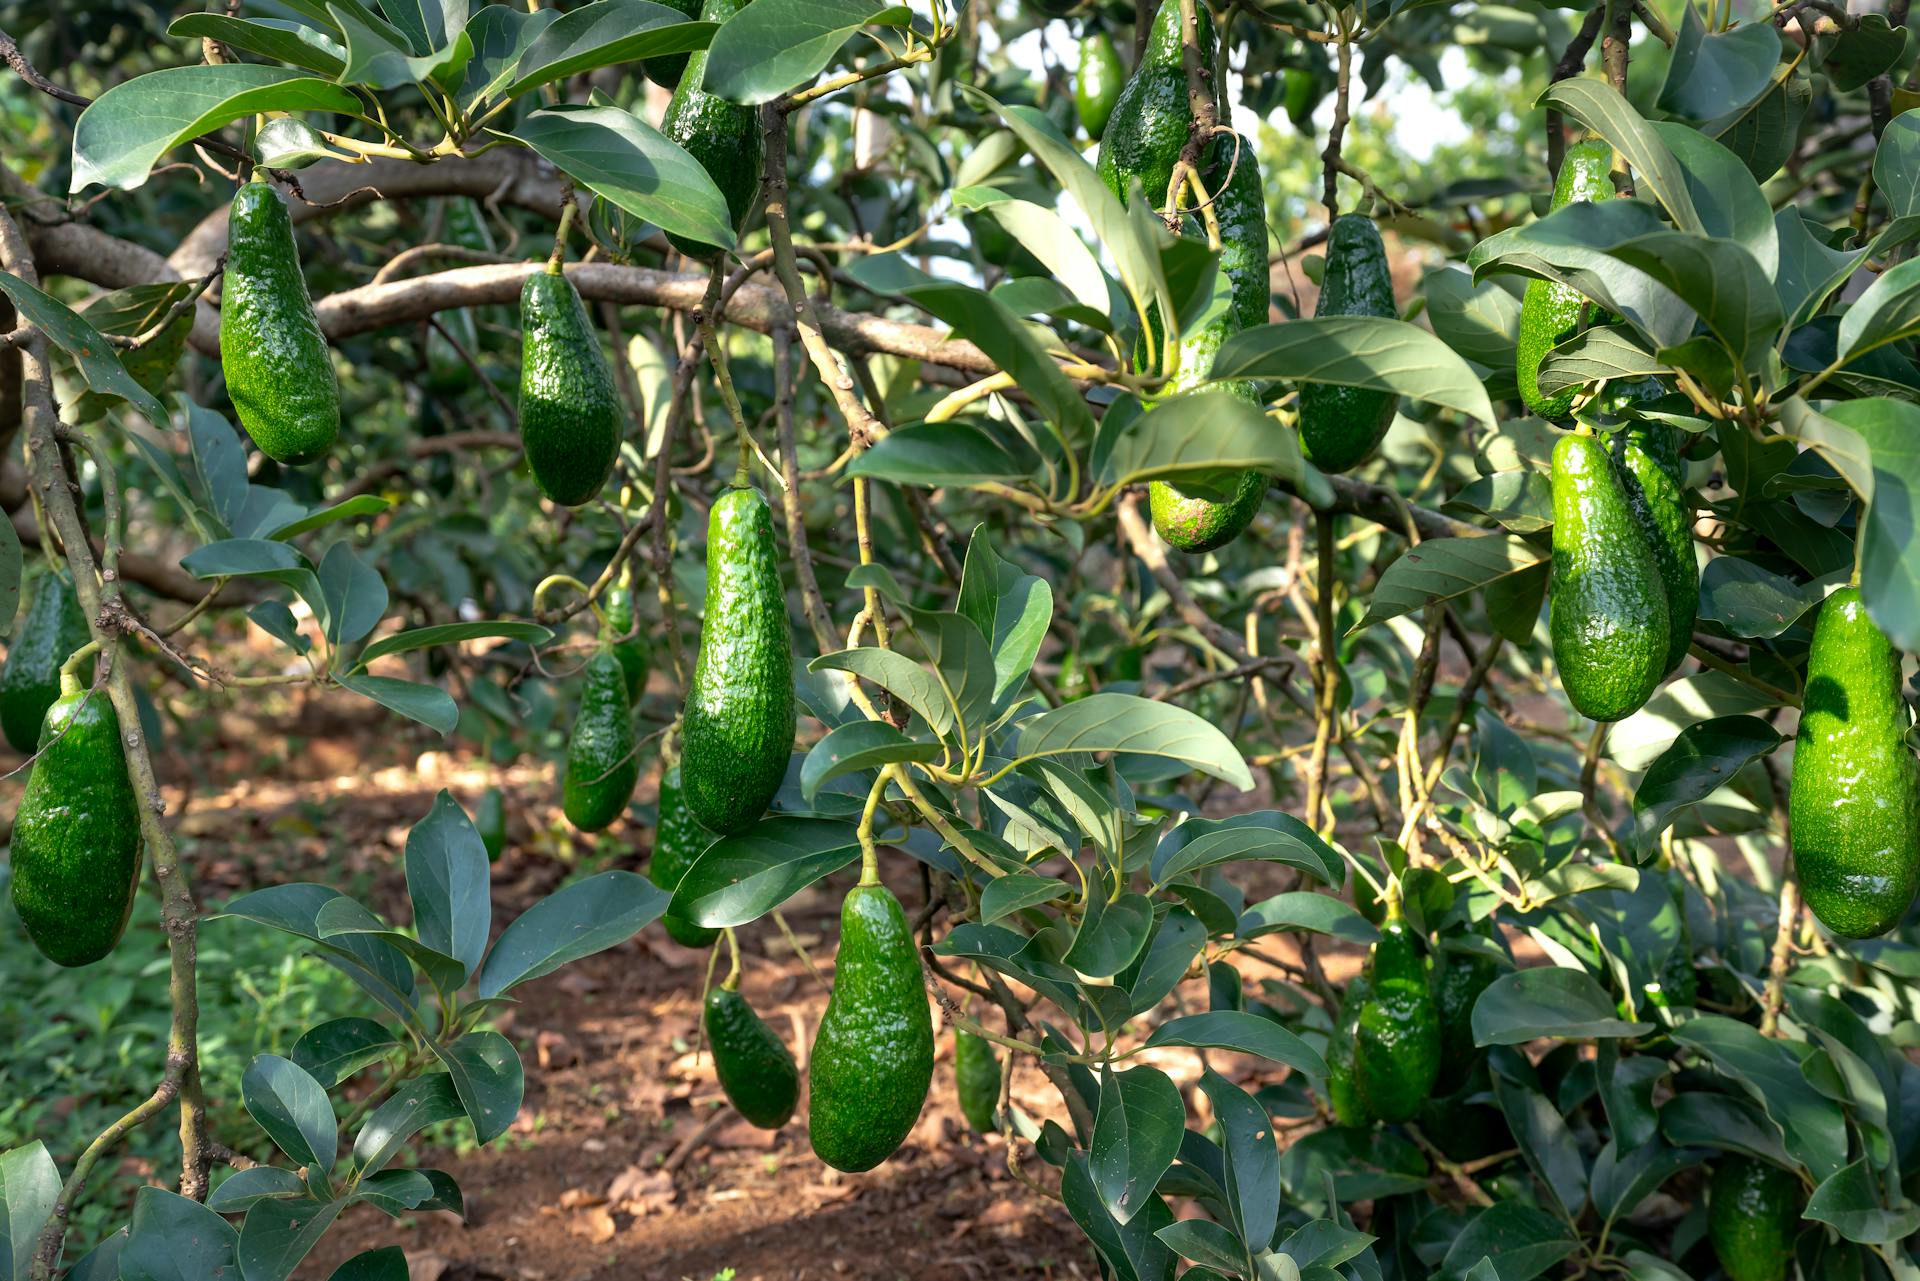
(1121, 481)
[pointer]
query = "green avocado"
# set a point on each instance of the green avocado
(602, 766)
(1753, 1215)
(976, 1079)
(1609, 608)
(1340, 426)
(723, 136)
(667, 69)
(1151, 119)
(490, 820)
(755, 1067)
(278, 370)
(873, 1056)
(1550, 311)
(1304, 90)
(1462, 978)
(1854, 810)
(30, 682)
(629, 646)
(1343, 1090)
(1653, 478)
(1396, 1043)
(76, 839)
(677, 841)
(1097, 83)
(737, 732)
(569, 418)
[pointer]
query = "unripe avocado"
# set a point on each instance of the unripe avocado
(976, 1079)
(1854, 810)
(1340, 426)
(737, 731)
(278, 370)
(1459, 984)
(873, 1056)
(1097, 84)
(1609, 608)
(616, 613)
(1753, 1212)
(1343, 1090)
(490, 820)
(755, 1068)
(1550, 311)
(723, 136)
(1396, 1044)
(569, 417)
(602, 766)
(30, 682)
(667, 69)
(677, 841)
(76, 839)
(1651, 474)
(1150, 119)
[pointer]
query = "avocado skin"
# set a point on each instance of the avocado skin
(677, 841)
(616, 612)
(1854, 810)
(1609, 609)
(873, 1057)
(490, 820)
(976, 1079)
(1340, 426)
(1097, 83)
(601, 765)
(1343, 1090)
(1150, 119)
(278, 371)
(76, 840)
(756, 1070)
(569, 418)
(30, 682)
(1753, 1208)
(1455, 989)
(1396, 1044)
(1652, 477)
(1550, 311)
(667, 69)
(723, 136)
(737, 731)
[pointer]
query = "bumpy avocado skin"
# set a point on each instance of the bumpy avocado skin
(30, 682)
(1396, 1050)
(279, 373)
(1097, 83)
(1456, 988)
(1753, 1211)
(756, 1070)
(1340, 426)
(76, 839)
(1150, 118)
(976, 1079)
(1652, 476)
(616, 611)
(1609, 609)
(873, 1057)
(602, 766)
(667, 69)
(1855, 805)
(1550, 311)
(677, 842)
(1343, 1090)
(723, 136)
(737, 731)
(569, 417)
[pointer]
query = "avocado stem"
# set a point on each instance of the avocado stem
(559, 253)
(70, 670)
(869, 851)
(731, 983)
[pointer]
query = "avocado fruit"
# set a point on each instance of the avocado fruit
(279, 373)
(1550, 311)
(1462, 978)
(1608, 614)
(1653, 477)
(1340, 426)
(1343, 1090)
(602, 765)
(1396, 1039)
(1854, 809)
(616, 625)
(873, 1055)
(678, 839)
(755, 1067)
(737, 731)
(490, 820)
(1753, 1211)
(76, 838)
(976, 1079)
(569, 417)
(55, 626)
(1097, 82)
(1150, 120)
(667, 69)
(723, 136)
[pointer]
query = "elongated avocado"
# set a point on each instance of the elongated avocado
(1753, 1215)
(490, 820)
(1652, 477)
(976, 1079)
(76, 839)
(601, 764)
(1341, 426)
(723, 136)
(1151, 118)
(667, 69)
(755, 1067)
(1097, 82)
(1550, 311)
(677, 841)
(1609, 609)
(30, 682)
(737, 732)
(569, 418)
(1456, 988)
(278, 370)
(873, 1056)
(616, 613)
(1855, 805)
(1396, 1044)
(1343, 1090)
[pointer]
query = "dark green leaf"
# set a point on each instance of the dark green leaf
(1253, 1158)
(761, 53)
(1607, 351)
(1543, 1139)
(1206, 1243)
(1769, 1070)
(1710, 71)
(1110, 935)
(1697, 1118)
(1136, 1135)
(742, 877)
(1357, 351)
(238, 1194)
(92, 354)
(1203, 433)
(486, 1073)
(856, 746)
(375, 965)
(174, 1239)
(1751, 601)
(1127, 723)
(336, 1049)
(632, 166)
(452, 634)
(428, 704)
(1526, 1242)
(1011, 608)
(1445, 569)
(1481, 322)
(1547, 1000)
(1889, 565)
(1246, 1033)
(274, 38)
(1849, 1201)
(577, 920)
(1595, 104)
(1131, 1250)
(1620, 1183)
(1896, 164)
(448, 883)
(1265, 836)
(1867, 46)
(899, 675)
(419, 1103)
(352, 509)
(292, 1108)
(387, 1264)
(1006, 895)
(29, 1187)
(1887, 312)
(276, 1235)
(1702, 760)
(602, 34)
(1306, 910)
(939, 454)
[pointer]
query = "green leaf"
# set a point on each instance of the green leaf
(1596, 104)
(899, 675)
(1809, 271)
(352, 509)
(1867, 46)
(1546, 1000)
(92, 354)
(1526, 1242)
(1702, 760)
(576, 920)
(1242, 1032)
(448, 883)
(123, 134)
(486, 1073)
(386, 1264)
(632, 166)
(1770, 1072)
(380, 57)
(239, 1193)
(330, 1052)
(1309, 911)
(1444, 569)
(292, 1107)
(344, 918)
(1889, 563)
(1730, 203)
(1481, 322)
(1206, 1243)
(1357, 351)
(1620, 1183)
(1605, 351)
(355, 593)
(428, 704)
(1006, 895)
(1707, 72)
(961, 663)
(276, 1235)
(1763, 133)
(742, 877)
(1697, 1118)
(1011, 608)
(1136, 1135)
(603, 34)
(1888, 311)
(422, 1101)
(1751, 601)
(1849, 1202)
(29, 1186)
(1202, 433)
(1544, 1141)
(1570, 246)
(1127, 723)
(1896, 164)
(761, 53)
(940, 454)
(452, 634)
(174, 1239)
(1047, 235)
(1266, 836)
(375, 965)
(859, 745)
(274, 38)
(1111, 935)
(1721, 281)
(1131, 1251)
(1252, 1157)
